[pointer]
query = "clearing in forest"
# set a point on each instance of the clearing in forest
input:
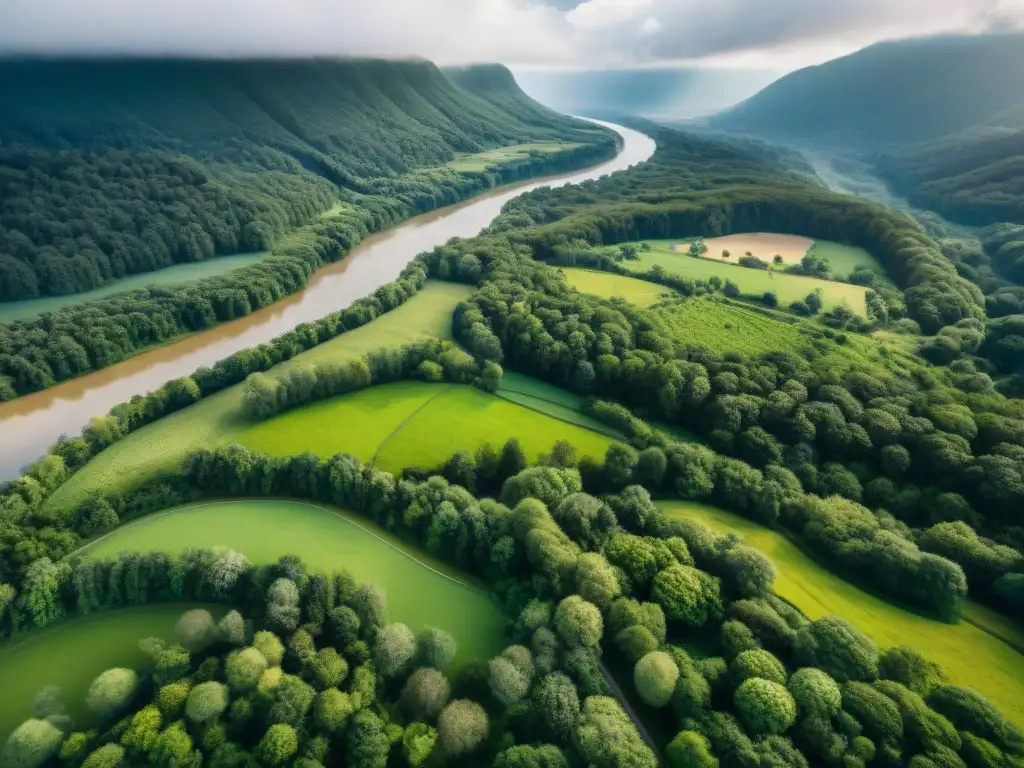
(607, 285)
(415, 424)
(763, 245)
(179, 274)
(481, 161)
(421, 590)
(218, 419)
(969, 655)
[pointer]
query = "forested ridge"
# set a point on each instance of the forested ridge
(130, 202)
(119, 166)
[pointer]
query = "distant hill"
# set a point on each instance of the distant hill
(891, 94)
(681, 92)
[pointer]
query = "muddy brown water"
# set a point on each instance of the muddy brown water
(30, 424)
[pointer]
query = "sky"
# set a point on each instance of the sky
(780, 34)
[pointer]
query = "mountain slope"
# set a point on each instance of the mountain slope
(110, 167)
(891, 94)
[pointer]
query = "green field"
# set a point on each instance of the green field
(789, 288)
(72, 654)
(642, 293)
(843, 259)
(728, 327)
(552, 400)
(415, 424)
(481, 161)
(161, 278)
(421, 591)
(969, 655)
(218, 419)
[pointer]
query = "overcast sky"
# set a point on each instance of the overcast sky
(782, 34)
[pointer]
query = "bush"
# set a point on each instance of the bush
(112, 691)
(244, 669)
(757, 663)
(764, 707)
(195, 630)
(31, 744)
(815, 692)
(462, 726)
(655, 677)
(206, 702)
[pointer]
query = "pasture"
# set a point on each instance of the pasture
(481, 161)
(642, 293)
(218, 419)
(421, 590)
(161, 278)
(728, 327)
(969, 655)
(415, 424)
(788, 288)
(99, 641)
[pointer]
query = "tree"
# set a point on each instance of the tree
(112, 692)
(206, 702)
(461, 727)
(436, 648)
(525, 756)
(366, 743)
(394, 650)
(698, 248)
(607, 738)
(508, 683)
(635, 642)
(244, 669)
(558, 706)
(31, 744)
(757, 663)
(908, 667)
(687, 595)
(326, 669)
(418, 742)
(370, 603)
(764, 706)
(578, 622)
(283, 605)
(726, 253)
(970, 711)
(777, 259)
(231, 629)
(690, 749)
(278, 745)
(596, 581)
(144, 729)
(332, 710)
(815, 693)
(173, 748)
(839, 649)
(770, 299)
(290, 700)
(655, 677)
(107, 756)
(268, 644)
(425, 693)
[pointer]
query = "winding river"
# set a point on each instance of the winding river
(30, 424)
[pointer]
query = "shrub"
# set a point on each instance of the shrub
(764, 706)
(112, 691)
(655, 677)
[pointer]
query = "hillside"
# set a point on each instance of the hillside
(891, 94)
(112, 167)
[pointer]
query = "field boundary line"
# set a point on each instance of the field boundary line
(158, 515)
(404, 422)
(611, 434)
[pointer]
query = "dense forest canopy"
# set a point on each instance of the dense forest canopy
(110, 167)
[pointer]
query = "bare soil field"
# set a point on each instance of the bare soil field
(763, 245)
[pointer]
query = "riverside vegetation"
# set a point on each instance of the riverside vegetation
(881, 463)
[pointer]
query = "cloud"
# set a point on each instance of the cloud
(563, 32)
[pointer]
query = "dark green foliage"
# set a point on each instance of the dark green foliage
(838, 648)
(969, 711)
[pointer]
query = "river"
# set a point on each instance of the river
(30, 424)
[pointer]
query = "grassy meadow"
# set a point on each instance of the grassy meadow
(415, 424)
(218, 419)
(642, 293)
(481, 161)
(969, 655)
(161, 278)
(100, 641)
(421, 590)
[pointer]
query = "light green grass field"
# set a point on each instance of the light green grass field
(421, 590)
(552, 400)
(970, 656)
(72, 654)
(176, 275)
(609, 286)
(415, 424)
(217, 420)
(843, 259)
(727, 327)
(481, 161)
